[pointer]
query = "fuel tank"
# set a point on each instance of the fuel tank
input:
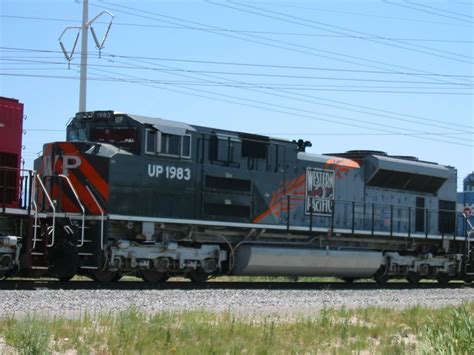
(284, 261)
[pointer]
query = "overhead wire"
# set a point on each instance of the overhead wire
(21, 61)
(323, 99)
(427, 11)
(336, 104)
(336, 29)
(272, 93)
(280, 108)
(250, 64)
(250, 38)
(116, 23)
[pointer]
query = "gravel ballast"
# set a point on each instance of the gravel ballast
(287, 303)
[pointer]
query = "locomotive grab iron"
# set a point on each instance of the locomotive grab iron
(134, 195)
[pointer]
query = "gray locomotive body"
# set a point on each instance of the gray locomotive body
(158, 198)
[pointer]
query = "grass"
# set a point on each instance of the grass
(420, 330)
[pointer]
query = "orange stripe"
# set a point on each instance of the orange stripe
(88, 170)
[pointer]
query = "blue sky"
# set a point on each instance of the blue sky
(392, 75)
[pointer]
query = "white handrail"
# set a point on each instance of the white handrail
(53, 230)
(101, 218)
(80, 205)
(34, 206)
(35, 227)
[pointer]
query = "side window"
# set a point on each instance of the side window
(150, 146)
(174, 145)
(254, 149)
(186, 147)
(170, 144)
(224, 148)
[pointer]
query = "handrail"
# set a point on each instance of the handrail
(35, 227)
(80, 205)
(364, 212)
(53, 230)
(101, 218)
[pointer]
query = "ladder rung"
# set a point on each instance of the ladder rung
(40, 267)
(86, 254)
(36, 253)
(89, 267)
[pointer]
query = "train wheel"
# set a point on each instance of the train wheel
(105, 275)
(198, 276)
(348, 280)
(153, 276)
(443, 278)
(413, 277)
(381, 276)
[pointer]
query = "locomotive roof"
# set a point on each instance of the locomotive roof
(180, 127)
(160, 122)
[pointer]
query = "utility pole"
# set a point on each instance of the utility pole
(83, 30)
(83, 75)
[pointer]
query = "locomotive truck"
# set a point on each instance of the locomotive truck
(133, 195)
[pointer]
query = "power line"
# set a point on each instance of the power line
(258, 65)
(334, 106)
(368, 15)
(313, 51)
(381, 112)
(438, 9)
(296, 34)
(273, 106)
(427, 11)
(23, 61)
(243, 86)
(337, 29)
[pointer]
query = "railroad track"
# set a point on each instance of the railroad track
(218, 285)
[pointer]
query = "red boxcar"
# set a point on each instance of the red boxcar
(11, 133)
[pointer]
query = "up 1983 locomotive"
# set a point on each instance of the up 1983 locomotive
(134, 195)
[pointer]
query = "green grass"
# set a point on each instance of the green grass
(370, 330)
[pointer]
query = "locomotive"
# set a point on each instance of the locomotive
(133, 195)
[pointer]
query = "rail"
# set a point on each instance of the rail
(101, 218)
(53, 207)
(83, 218)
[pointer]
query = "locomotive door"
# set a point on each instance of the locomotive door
(224, 189)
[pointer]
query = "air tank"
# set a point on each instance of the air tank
(258, 260)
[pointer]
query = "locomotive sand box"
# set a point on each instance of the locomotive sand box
(134, 195)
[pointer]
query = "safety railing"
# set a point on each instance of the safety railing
(102, 218)
(371, 218)
(52, 231)
(83, 211)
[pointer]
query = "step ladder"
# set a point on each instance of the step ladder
(43, 234)
(45, 225)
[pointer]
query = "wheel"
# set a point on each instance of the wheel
(381, 276)
(468, 279)
(64, 261)
(348, 280)
(198, 276)
(105, 275)
(413, 277)
(443, 278)
(153, 276)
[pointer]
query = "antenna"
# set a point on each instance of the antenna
(86, 24)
